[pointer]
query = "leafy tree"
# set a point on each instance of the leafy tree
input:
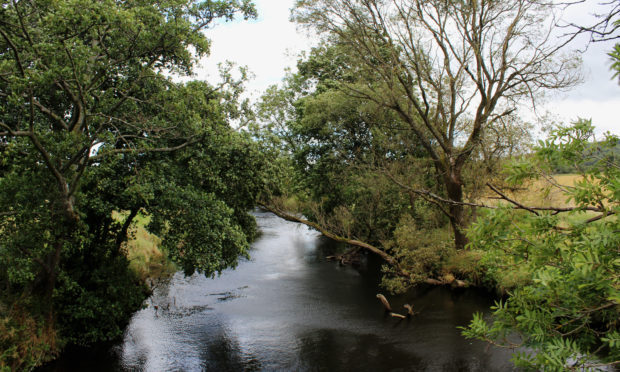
(451, 71)
(91, 124)
(566, 312)
(358, 169)
(339, 148)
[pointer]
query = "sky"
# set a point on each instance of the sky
(270, 44)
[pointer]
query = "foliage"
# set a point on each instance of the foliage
(423, 251)
(94, 297)
(355, 167)
(453, 73)
(90, 125)
(566, 308)
(615, 57)
(146, 257)
(615, 52)
(23, 345)
(333, 144)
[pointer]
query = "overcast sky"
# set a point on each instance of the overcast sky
(271, 43)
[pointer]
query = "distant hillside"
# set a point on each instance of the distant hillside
(597, 152)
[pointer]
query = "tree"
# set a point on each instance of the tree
(450, 69)
(91, 124)
(564, 314)
(339, 147)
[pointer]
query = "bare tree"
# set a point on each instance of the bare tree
(605, 26)
(450, 69)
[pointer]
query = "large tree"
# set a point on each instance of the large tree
(91, 123)
(450, 69)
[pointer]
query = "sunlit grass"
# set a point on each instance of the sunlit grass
(143, 249)
(544, 193)
(539, 193)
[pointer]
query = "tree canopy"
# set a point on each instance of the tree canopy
(91, 124)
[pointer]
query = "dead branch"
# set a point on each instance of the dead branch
(409, 309)
(385, 302)
(389, 259)
(503, 196)
(396, 315)
(551, 209)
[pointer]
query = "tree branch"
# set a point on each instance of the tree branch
(388, 258)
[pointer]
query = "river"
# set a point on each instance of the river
(289, 309)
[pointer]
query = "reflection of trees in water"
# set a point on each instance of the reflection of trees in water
(222, 352)
(328, 247)
(335, 350)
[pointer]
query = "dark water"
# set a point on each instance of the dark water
(288, 309)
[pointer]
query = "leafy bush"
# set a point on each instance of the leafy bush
(24, 343)
(565, 306)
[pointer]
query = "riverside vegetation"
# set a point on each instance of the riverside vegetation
(398, 134)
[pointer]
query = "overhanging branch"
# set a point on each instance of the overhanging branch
(388, 258)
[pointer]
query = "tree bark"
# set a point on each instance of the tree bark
(122, 235)
(454, 189)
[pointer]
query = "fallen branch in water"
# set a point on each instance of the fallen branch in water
(385, 302)
(396, 315)
(409, 309)
(289, 217)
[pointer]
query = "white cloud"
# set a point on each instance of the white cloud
(271, 43)
(267, 45)
(604, 113)
(598, 97)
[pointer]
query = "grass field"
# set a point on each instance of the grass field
(541, 193)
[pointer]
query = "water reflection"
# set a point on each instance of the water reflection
(289, 309)
(337, 350)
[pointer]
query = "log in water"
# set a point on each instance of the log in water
(290, 309)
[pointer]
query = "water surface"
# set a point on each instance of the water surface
(289, 309)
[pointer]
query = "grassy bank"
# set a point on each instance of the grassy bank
(143, 250)
(538, 193)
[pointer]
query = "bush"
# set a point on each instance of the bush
(565, 303)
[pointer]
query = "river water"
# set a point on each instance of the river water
(289, 309)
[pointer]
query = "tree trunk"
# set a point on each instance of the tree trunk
(454, 189)
(53, 263)
(122, 235)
